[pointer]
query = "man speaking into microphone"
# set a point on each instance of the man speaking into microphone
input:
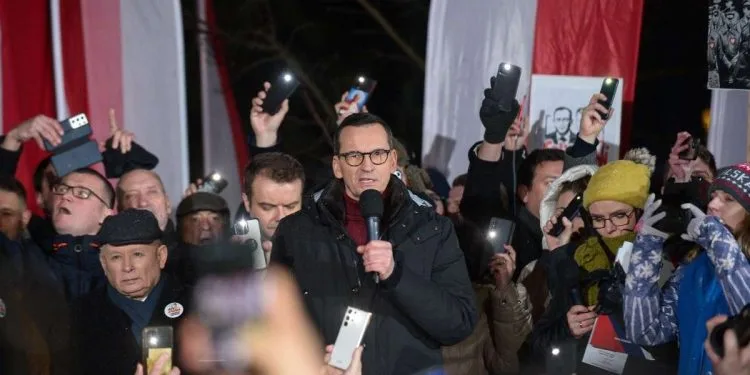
(411, 274)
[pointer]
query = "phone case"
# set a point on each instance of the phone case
(157, 341)
(609, 89)
(349, 337)
(500, 233)
(81, 156)
(506, 85)
(280, 90)
(76, 130)
(571, 211)
(249, 231)
(363, 88)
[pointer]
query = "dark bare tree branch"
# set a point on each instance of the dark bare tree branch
(392, 33)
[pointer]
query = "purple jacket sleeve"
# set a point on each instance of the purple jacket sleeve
(650, 313)
(731, 264)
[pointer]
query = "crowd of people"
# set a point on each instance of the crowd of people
(79, 283)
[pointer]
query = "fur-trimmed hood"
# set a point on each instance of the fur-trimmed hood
(549, 203)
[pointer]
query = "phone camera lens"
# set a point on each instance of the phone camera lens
(346, 324)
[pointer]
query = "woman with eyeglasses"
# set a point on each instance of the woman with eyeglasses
(716, 281)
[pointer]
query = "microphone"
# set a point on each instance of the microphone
(371, 206)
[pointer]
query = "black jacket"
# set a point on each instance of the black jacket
(34, 318)
(103, 340)
(75, 261)
(427, 302)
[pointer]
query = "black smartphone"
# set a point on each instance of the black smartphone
(280, 90)
(506, 85)
(76, 130)
(157, 341)
(214, 183)
(571, 211)
(362, 89)
(609, 89)
(692, 151)
(500, 233)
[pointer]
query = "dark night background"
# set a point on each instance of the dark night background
(330, 41)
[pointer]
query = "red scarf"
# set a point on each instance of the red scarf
(354, 222)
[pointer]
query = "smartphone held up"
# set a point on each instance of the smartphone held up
(281, 89)
(609, 89)
(506, 85)
(361, 90)
(157, 341)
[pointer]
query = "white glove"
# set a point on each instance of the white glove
(693, 228)
(648, 219)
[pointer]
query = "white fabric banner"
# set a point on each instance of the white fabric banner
(728, 134)
(557, 103)
(153, 75)
(466, 42)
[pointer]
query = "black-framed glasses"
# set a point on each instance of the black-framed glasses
(356, 158)
(619, 219)
(79, 192)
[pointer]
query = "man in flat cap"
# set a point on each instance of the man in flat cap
(108, 322)
(202, 218)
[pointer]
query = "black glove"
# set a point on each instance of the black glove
(496, 121)
(117, 164)
(610, 292)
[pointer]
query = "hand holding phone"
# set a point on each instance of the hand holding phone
(609, 89)
(280, 90)
(361, 91)
(157, 342)
(571, 211)
(248, 232)
(350, 337)
(691, 153)
(500, 233)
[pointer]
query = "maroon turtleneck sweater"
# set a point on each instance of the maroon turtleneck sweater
(354, 222)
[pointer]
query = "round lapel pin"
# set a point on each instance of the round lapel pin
(174, 310)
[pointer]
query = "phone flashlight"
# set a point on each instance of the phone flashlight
(555, 351)
(361, 79)
(492, 234)
(287, 77)
(507, 67)
(153, 340)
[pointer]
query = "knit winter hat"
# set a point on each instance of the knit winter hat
(626, 181)
(735, 181)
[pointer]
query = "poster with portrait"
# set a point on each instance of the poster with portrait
(556, 106)
(728, 47)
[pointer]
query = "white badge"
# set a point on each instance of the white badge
(173, 310)
(2, 308)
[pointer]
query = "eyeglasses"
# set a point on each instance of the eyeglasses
(79, 192)
(356, 158)
(619, 219)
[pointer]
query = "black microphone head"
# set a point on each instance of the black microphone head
(568, 272)
(371, 203)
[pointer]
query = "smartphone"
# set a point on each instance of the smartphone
(692, 152)
(571, 211)
(75, 128)
(280, 90)
(349, 337)
(214, 183)
(82, 155)
(506, 85)
(157, 341)
(362, 88)
(609, 89)
(249, 232)
(500, 233)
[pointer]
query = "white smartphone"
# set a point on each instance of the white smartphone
(249, 231)
(350, 337)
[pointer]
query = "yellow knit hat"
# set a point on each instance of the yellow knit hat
(622, 181)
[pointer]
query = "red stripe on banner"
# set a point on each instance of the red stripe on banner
(28, 84)
(73, 55)
(239, 138)
(103, 57)
(591, 38)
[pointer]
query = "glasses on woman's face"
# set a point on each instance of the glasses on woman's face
(356, 158)
(79, 192)
(618, 219)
